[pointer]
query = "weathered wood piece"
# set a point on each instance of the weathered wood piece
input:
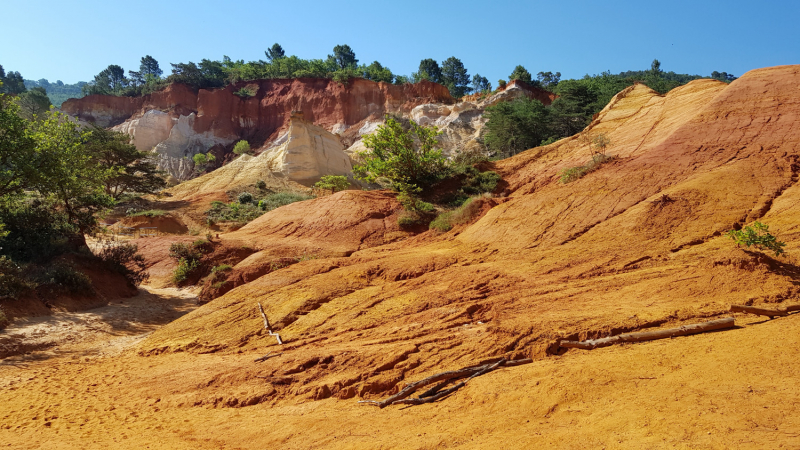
(267, 356)
(446, 392)
(444, 378)
(685, 330)
(266, 325)
(759, 311)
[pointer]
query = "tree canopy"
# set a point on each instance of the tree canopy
(455, 77)
(275, 52)
(429, 70)
(344, 56)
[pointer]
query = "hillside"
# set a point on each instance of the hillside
(638, 244)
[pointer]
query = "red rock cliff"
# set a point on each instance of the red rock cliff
(324, 102)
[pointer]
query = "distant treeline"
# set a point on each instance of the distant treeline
(341, 65)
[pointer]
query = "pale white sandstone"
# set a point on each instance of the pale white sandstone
(309, 153)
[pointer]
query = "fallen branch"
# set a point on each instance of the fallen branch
(444, 377)
(685, 330)
(266, 325)
(267, 356)
(759, 311)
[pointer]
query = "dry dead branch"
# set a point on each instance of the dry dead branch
(444, 378)
(267, 356)
(759, 311)
(266, 325)
(685, 330)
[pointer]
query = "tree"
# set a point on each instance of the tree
(332, 183)
(410, 159)
(574, 107)
(241, 148)
(429, 70)
(127, 169)
(376, 72)
(149, 67)
(33, 103)
(202, 161)
(67, 173)
(516, 126)
(655, 67)
(13, 83)
(136, 78)
(521, 74)
(17, 150)
(186, 73)
(275, 52)
(344, 56)
(455, 77)
(116, 77)
(548, 80)
(480, 84)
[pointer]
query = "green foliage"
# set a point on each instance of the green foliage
(12, 83)
(245, 197)
(522, 74)
(463, 214)
(33, 103)
(501, 84)
(548, 80)
(186, 268)
(332, 183)
(202, 161)
(126, 168)
(516, 126)
(575, 173)
(757, 236)
(376, 72)
(127, 260)
(151, 213)
(64, 278)
(18, 155)
(480, 84)
(261, 185)
(36, 231)
(409, 159)
(275, 52)
(181, 250)
(221, 268)
(455, 77)
(246, 92)
(344, 56)
(411, 202)
(57, 92)
(242, 147)
(428, 70)
(12, 280)
(242, 213)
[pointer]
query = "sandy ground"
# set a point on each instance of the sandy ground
(729, 389)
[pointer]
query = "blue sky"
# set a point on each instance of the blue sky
(73, 41)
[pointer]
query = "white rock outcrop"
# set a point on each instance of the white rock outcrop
(308, 153)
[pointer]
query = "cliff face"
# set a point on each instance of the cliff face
(179, 122)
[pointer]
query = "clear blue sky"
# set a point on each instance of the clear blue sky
(73, 41)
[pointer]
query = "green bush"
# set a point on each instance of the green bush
(261, 185)
(245, 198)
(241, 148)
(332, 183)
(460, 216)
(246, 212)
(442, 222)
(246, 92)
(63, 277)
(151, 213)
(273, 201)
(12, 281)
(574, 173)
(185, 269)
(180, 250)
(221, 268)
(757, 236)
(36, 232)
(126, 260)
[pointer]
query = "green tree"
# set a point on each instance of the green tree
(757, 236)
(241, 148)
(13, 83)
(410, 159)
(520, 73)
(17, 150)
(376, 72)
(149, 67)
(516, 126)
(33, 103)
(67, 173)
(655, 67)
(480, 84)
(275, 52)
(573, 109)
(344, 56)
(332, 183)
(548, 80)
(455, 77)
(429, 70)
(202, 161)
(127, 169)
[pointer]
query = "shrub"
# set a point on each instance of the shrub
(127, 260)
(12, 281)
(202, 161)
(261, 185)
(185, 269)
(179, 250)
(245, 198)
(574, 173)
(241, 148)
(149, 213)
(410, 159)
(461, 215)
(757, 236)
(501, 84)
(279, 199)
(246, 92)
(442, 222)
(64, 278)
(36, 232)
(221, 268)
(332, 183)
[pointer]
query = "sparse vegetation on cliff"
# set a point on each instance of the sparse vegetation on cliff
(757, 236)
